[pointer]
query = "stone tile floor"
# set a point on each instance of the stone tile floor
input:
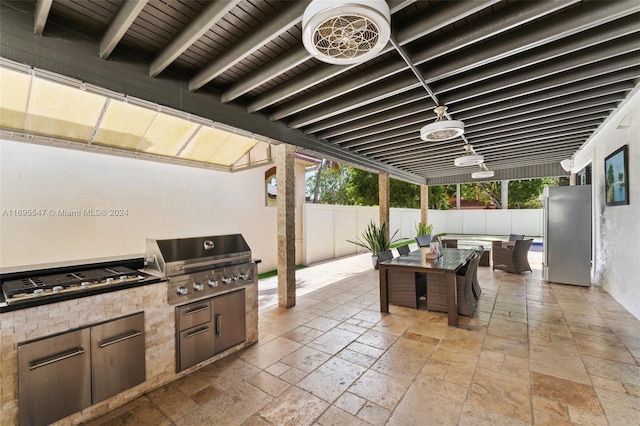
(533, 353)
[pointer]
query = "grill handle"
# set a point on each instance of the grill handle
(207, 263)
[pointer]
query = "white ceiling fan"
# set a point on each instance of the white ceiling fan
(342, 33)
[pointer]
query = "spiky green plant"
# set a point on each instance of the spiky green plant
(374, 238)
(424, 229)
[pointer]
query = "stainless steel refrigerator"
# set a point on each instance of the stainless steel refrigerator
(567, 234)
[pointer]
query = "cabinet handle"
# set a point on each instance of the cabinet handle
(196, 310)
(195, 333)
(55, 358)
(218, 324)
(106, 343)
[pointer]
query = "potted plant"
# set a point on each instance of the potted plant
(424, 229)
(423, 233)
(374, 238)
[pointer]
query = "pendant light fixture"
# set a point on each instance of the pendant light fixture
(442, 129)
(470, 158)
(346, 32)
(483, 173)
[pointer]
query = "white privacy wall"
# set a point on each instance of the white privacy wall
(617, 228)
(157, 201)
(327, 228)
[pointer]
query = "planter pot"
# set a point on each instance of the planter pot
(374, 261)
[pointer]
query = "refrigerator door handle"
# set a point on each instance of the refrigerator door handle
(545, 230)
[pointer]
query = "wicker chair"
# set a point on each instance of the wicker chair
(513, 259)
(423, 240)
(450, 243)
(499, 243)
(405, 288)
(437, 290)
(404, 249)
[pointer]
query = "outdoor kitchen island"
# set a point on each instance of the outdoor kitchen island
(149, 297)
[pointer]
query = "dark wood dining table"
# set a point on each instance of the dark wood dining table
(451, 261)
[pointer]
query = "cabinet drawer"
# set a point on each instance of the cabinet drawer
(195, 345)
(54, 377)
(193, 314)
(117, 356)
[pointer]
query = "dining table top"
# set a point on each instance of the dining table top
(451, 260)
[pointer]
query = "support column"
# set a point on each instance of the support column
(504, 194)
(457, 196)
(383, 199)
(424, 204)
(572, 179)
(286, 219)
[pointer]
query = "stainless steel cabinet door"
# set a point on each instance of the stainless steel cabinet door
(117, 356)
(228, 320)
(54, 377)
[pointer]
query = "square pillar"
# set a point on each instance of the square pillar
(286, 220)
(424, 204)
(383, 199)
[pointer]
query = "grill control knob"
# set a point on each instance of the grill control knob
(226, 280)
(57, 289)
(213, 283)
(198, 286)
(182, 291)
(243, 276)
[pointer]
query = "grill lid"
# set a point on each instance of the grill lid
(184, 255)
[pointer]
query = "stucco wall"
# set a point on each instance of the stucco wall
(158, 201)
(616, 230)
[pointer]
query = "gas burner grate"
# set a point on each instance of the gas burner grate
(47, 282)
(24, 286)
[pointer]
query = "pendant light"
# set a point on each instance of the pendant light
(470, 158)
(483, 173)
(442, 129)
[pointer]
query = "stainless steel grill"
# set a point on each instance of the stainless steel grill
(201, 266)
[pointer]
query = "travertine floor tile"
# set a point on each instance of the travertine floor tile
(232, 407)
(533, 353)
(567, 365)
(442, 406)
(333, 341)
(331, 379)
(506, 395)
(140, 412)
(380, 389)
(305, 359)
(294, 407)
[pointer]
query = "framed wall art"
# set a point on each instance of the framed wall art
(616, 177)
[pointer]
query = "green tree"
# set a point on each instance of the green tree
(362, 190)
(329, 184)
(486, 192)
(523, 194)
(363, 187)
(440, 195)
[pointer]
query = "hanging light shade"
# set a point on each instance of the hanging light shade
(470, 158)
(567, 164)
(441, 129)
(482, 174)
